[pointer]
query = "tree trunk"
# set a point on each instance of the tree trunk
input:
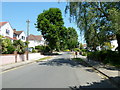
(94, 48)
(118, 41)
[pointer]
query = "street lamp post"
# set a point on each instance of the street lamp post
(28, 21)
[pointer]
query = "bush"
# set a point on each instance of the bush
(67, 50)
(38, 47)
(10, 50)
(21, 51)
(84, 54)
(42, 48)
(76, 49)
(6, 46)
(34, 51)
(20, 46)
(112, 58)
(84, 50)
(108, 56)
(46, 49)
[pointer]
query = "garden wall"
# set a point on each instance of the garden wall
(12, 58)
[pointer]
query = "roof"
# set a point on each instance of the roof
(14, 38)
(17, 32)
(10, 38)
(84, 45)
(35, 37)
(2, 23)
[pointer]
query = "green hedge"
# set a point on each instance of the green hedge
(42, 48)
(108, 56)
(76, 49)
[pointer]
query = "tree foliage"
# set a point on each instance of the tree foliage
(6, 46)
(20, 46)
(98, 20)
(72, 40)
(51, 25)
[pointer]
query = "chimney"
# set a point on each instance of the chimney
(14, 29)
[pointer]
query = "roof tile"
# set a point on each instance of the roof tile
(35, 37)
(2, 23)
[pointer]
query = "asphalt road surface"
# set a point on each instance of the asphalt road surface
(61, 72)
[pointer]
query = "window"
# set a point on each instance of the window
(7, 31)
(14, 35)
(23, 37)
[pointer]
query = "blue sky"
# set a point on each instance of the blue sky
(18, 12)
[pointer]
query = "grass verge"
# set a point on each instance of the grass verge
(43, 58)
(77, 59)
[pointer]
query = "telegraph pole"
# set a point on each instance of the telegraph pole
(28, 21)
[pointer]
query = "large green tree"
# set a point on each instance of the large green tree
(63, 38)
(98, 20)
(72, 38)
(50, 23)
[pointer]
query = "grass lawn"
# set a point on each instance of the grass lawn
(43, 58)
(77, 59)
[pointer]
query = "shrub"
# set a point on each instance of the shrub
(10, 49)
(38, 47)
(6, 46)
(76, 49)
(34, 51)
(67, 50)
(84, 50)
(42, 48)
(108, 56)
(20, 46)
(46, 49)
(84, 54)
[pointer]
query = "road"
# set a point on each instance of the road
(61, 72)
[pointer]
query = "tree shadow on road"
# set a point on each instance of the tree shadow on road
(102, 85)
(51, 54)
(63, 61)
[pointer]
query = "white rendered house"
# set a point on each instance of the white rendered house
(19, 35)
(6, 30)
(114, 44)
(35, 40)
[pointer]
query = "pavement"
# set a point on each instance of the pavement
(19, 64)
(110, 72)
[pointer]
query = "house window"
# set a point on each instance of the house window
(23, 37)
(14, 35)
(7, 31)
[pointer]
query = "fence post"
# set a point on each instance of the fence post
(15, 53)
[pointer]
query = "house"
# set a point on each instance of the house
(35, 40)
(19, 35)
(6, 30)
(84, 45)
(114, 44)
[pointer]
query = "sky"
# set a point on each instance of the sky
(16, 13)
